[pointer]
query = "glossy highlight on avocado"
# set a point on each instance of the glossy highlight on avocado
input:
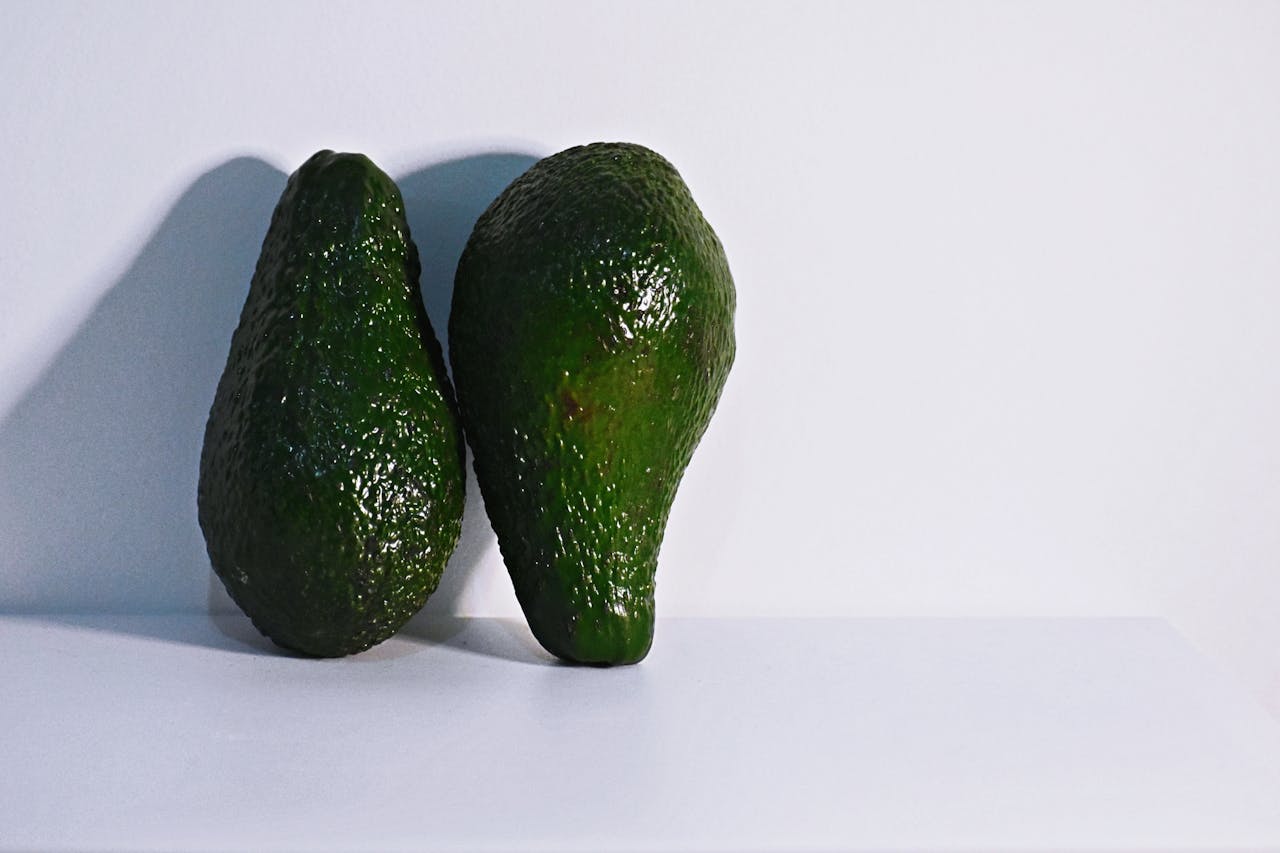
(331, 477)
(590, 336)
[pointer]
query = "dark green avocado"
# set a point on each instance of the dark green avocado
(331, 479)
(590, 336)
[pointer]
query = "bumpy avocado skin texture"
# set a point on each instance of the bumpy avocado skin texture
(591, 334)
(331, 479)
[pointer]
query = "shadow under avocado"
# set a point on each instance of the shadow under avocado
(101, 456)
(506, 638)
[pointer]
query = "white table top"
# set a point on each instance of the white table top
(190, 732)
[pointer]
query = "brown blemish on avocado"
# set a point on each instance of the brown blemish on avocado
(572, 408)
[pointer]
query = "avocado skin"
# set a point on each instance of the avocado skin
(590, 335)
(331, 477)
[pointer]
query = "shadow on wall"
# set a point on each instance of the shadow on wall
(443, 202)
(100, 458)
(97, 501)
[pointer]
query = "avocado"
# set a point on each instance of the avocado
(331, 477)
(591, 333)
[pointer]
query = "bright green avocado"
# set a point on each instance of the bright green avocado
(591, 334)
(331, 480)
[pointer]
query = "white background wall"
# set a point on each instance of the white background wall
(1008, 280)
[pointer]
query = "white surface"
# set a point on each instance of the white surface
(1007, 276)
(173, 733)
